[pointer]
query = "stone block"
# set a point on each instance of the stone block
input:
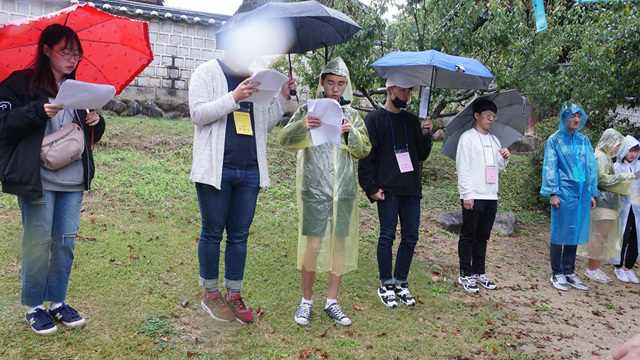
(150, 108)
(142, 81)
(202, 32)
(185, 74)
(183, 51)
(154, 26)
(172, 95)
(175, 40)
(166, 27)
(133, 109)
(180, 84)
(153, 37)
(116, 106)
(195, 52)
(163, 38)
(171, 50)
(207, 54)
(149, 71)
(162, 72)
(209, 44)
(167, 61)
(178, 29)
(179, 62)
(166, 83)
(155, 82)
(191, 30)
(174, 73)
(198, 42)
(189, 63)
(160, 49)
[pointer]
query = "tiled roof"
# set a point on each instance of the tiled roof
(132, 8)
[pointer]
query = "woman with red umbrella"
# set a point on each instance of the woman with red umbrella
(50, 198)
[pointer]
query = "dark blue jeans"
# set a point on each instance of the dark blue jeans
(475, 231)
(563, 261)
(231, 208)
(408, 209)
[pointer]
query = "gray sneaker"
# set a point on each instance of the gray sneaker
(559, 282)
(575, 282)
(336, 314)
(303, 314)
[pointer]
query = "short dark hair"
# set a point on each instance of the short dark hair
(483, 105)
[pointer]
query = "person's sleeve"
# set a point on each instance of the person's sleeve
(593, 171)
(502, 162)
(463, 167)
(276, 110)
(16, 118)
(205, 104)
(295, 136)
(616, 183)
(550, 182)
(367, 165)
(425, 142)
(357, 143)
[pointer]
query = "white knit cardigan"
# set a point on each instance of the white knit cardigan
(210, 101)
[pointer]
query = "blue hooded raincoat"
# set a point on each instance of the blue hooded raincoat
(571, 172)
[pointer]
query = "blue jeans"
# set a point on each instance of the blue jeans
(231, 208)
(50, 227)
(389, 209)
(563, 261)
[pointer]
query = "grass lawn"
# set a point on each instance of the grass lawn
(135, 276)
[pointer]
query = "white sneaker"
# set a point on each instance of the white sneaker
(603, 275)
(622, 275)
(632, 276)
(595, 275)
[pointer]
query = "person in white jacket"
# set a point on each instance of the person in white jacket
(627, 162)
(229, 168)
(479, 159)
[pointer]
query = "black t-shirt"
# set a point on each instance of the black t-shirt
(239, 150)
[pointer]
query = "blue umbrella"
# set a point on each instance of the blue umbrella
(435, 69)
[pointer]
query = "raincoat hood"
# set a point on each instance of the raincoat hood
(608, 141)
(565, 115)
(628, 142)
(336, 67)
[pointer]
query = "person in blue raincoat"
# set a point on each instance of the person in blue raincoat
(570, 180)
(627, 162)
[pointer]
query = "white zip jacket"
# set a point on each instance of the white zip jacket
(210, 101)
(471, 164)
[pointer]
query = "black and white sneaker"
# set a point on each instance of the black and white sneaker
(483, 280)
(336, 314)
(40, 322)
(468, 283)
(387, 294)
(403, 294)
(303, 315)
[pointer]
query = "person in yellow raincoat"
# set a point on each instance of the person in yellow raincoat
(327, 192)
(605, 222)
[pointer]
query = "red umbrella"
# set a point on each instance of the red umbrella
(116, 49)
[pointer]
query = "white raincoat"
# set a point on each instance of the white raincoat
(631, 201)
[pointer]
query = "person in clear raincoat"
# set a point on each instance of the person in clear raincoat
(627, 162)
(326, 186)
(605, 222)
(570, 180)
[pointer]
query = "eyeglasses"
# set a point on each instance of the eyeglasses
(69, 55)
(339, 84)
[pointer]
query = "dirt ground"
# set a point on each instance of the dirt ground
(548, 323)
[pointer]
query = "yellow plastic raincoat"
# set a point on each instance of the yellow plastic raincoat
(604, 226)
(327, 189)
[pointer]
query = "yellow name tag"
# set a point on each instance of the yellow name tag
(243, 123)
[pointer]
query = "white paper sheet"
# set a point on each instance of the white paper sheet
(83, 95)
(330, 114)
(270, 83)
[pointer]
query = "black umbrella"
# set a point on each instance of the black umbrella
(286, 28)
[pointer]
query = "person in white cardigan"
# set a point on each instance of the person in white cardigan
(479, 159)
(229, 168)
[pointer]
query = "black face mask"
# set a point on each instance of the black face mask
(399, 104)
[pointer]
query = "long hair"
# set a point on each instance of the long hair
(43, 78)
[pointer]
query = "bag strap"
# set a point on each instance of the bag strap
(82, 125)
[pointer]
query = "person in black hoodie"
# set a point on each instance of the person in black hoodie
(50, 199)
(390, 176)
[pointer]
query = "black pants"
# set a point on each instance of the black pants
(476, 230)
(629, 252)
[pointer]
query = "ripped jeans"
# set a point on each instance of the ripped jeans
(50, 227)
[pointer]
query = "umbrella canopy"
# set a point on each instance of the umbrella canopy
(436, 70)
(293, 28)
(510, 124)
(116, 49)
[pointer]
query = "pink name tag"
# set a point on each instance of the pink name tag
(404, 161)
(492, 176)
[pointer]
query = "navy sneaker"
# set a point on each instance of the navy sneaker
(41, 322)
(67, 315)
